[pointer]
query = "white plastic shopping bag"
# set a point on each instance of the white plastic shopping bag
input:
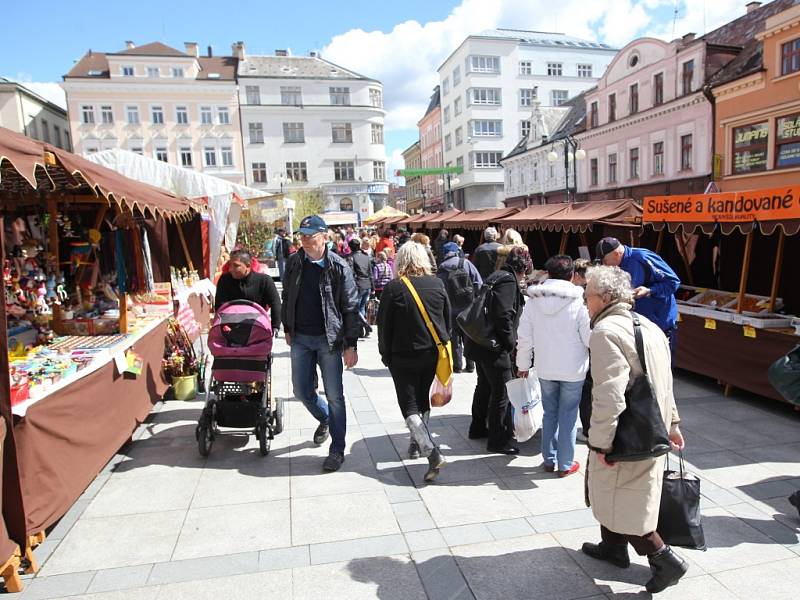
(525, 396)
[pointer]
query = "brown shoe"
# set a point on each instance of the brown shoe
(548, 468)
(573, 469)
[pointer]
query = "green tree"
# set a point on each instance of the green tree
(307, 202)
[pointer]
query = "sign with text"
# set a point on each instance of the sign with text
(770, 204)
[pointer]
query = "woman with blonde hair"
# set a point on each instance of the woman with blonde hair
(423, 239)
(511, 238)
(407, 346)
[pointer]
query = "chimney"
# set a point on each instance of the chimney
(237, 50)
(209, 52)
(130, 45)
(751, 6)
(192, 49)
(688, 38)
(281, 53)
(312, 54)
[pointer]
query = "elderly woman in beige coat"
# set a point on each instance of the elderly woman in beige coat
(625, 496)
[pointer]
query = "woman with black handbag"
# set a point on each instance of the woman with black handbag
(631, 365)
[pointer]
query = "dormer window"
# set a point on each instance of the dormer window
(633, 60)
(177, 72)
(127, 71)
(153, 72)
(94, 73)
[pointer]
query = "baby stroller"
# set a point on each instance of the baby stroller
(240, 392)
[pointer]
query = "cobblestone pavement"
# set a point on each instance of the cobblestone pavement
(162, 522)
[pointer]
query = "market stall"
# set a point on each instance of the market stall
(83, 319)
(736, 332)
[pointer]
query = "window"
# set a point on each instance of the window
(45, 131)
(612, 168)
(446, 114)
(57, 136)
(525, 128)
(157, 115)
(226, 153)
(485, 96)
(790, 57)
(253, 93)
(377, 133)
(378, 170)
(87, 114)
(448, 142)
(340, 96)
(137, 148)
(297, 171)
(686, 152)
(526, 96)
(750, 143)
(33, 130)
(594, 119)
(343, 170)
(206, 117)
(342, 133)
(182, 115)
(153, 72)
(658, 158)
(633, 101)
(127, 71)
(376, 97)
(687, 73)
(445, 86)
(486, 160)
(787, 138)
(487, 128)
(658, 89)
(593, 171)
(457, 106)
(177, 72)
(185, 153)
(67, 145)
(525, 67)
(584, 70)
(291, 95)
(633, 163)
(456, 76)
(133, 114)
(459, 161)
(535, 171)
(558, 97)
(459, 136)
(612, 108)
(106, 115)
(483, 64)
(91, 149)
(223, 116)
(256, 133)
(259, 172)
(555, 69)
(210, 156)
(161, 153)
(294, 133)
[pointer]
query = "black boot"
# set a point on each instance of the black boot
(616, 554)
(413, 449)
(794, 500)
(667, 568)
(436, 461)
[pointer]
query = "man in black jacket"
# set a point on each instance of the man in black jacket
(322, 324)
(242, 283)
(485, 255)
(361, 263)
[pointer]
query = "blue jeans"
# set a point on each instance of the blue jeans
(560, 400)
(363, 298)
(281, 268)
(307, 352)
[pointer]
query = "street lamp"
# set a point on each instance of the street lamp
(572, 154)
(282, 179)
(450, 183)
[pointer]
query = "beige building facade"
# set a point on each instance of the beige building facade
(24, 111)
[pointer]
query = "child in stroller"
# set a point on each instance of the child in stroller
(240, 392)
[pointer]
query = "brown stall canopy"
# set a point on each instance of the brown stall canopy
(478, 219)
(438, 219)
(577, 217)
(531, 217)
(393, 220)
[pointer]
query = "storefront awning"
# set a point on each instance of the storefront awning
(577, 216)
(478, 219)
(439, 219)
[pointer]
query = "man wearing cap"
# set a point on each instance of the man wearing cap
(653, 281)
(322, 325)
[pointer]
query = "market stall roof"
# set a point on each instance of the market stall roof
(384, 213)
(421, 219)
(531, 217)
(578, 216)
(394, 220)
(438, 219)
(28, 166)
(478, 219)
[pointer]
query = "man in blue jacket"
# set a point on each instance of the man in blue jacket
(653, 280)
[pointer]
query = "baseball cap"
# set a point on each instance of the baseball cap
(312, 224)
(450, 248)
(606, 245)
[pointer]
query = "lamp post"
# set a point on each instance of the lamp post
(572, 153)
(450, 182)
(282, 179)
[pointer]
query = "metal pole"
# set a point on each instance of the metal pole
(575, 169)
(566, 170)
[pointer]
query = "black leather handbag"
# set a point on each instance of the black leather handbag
(641, 433)
(476, 320)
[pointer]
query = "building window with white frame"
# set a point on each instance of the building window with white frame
(457, 106)
(185, 153)
(210, 156)
(157, 115)
(106, 115)
(526, 67)
(87, 114)
(446, 114)
(153, 72)
(525, 128)
(483, 64)
(558, 97)
(177, 72)
(790, 57)
(376, 97)
(136, 147)
(259, 170)
(584, 70)
(57, 136)
(291, 95)
(377, 133)
(340, 96)
(127, 71)
(378, 170)
(206, 116)
(253, 94)
(448, 142)
(297, 171)
(182, 115)
(658, 158)
(161, 154)
(456, 76)
(133, 114)
(223, 115)
(294, 133)
(342, 133)
(612, 167)
(593, 171)
(526, 96)
(45, 131)
(226, 154)
(459, 161)
(486, 128)
(256, 131)
(445, 86)
(633, 163)
(555, 69)
(686, 152)
(485, 96)
(344, 170)
(486, 160)
(459, 136)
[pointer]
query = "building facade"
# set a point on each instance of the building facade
(310, 124)
(174, 106)
(488, 87)
(430, 147)
(24, 111)
(415, 196)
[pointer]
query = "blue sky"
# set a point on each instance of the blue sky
(399, 43)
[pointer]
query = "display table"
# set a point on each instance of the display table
(65, 439)
(724, 353)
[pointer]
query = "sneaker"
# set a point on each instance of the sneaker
(469, 370)
(509, 448)
(573, 469)
(548, 468)
(321, 434)
(580, 437)
(333, 462)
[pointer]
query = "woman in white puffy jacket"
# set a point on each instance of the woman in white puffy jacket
(554, 328)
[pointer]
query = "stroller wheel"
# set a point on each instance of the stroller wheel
(277, 417)
(263, 439)
(204, 439)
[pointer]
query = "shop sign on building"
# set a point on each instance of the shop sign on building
(788, 141)
(771, 204)
(750, 143)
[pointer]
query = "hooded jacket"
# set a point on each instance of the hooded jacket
(555, 328)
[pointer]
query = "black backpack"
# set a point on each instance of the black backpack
(459, 287)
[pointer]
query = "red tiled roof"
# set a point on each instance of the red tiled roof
(152, 49)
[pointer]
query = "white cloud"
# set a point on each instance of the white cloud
(48, 90)
(394, 162)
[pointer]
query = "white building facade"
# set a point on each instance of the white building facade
(310, 124)
(24, 111)
(488, 88)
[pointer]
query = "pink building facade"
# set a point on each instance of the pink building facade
(430, 144)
